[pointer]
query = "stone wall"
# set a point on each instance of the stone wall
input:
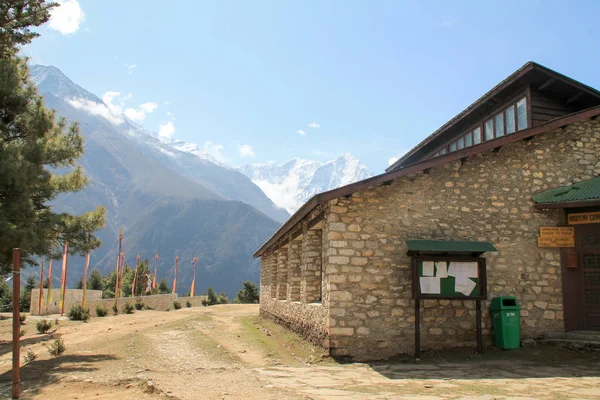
(72, 296)
(159, 302)
(486, 198)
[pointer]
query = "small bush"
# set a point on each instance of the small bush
(115, 309)
(128, 308)
(30, 356)
(56, 347)
(147, 307)
(56, 322)
(205, 302)
(43, 326)
(22, 333)
(22, 319)
(188, 304)
(139, 304)
(78, 313)
(101, 311)
(168, 309)
(176, 305)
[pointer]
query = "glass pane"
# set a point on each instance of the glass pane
(468, 140)
(522, 114)
(489, 129)
(499, 121)
(442, 151)
(452, 147)
(510, 120)
(460, 144)
(477, 136)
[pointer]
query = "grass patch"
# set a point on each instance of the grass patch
(283, 345)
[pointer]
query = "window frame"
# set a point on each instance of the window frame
(512, 103)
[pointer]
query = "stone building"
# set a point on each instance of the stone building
(525, 155)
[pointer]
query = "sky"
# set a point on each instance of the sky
(267, 81)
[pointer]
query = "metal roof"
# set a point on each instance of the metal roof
(448, 246)
(586, 190)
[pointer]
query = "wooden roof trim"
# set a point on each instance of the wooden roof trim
(568, 204)
(515, 76)
(323, 198)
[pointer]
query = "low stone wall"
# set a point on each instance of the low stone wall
(307, 319)
(196, 300)
(72, 297)
(159, 302)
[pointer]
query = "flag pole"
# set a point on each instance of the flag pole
(118, 271)
(134, 283)
(155, 271)
(175, 280)
(194, 280)
(85, 273)
(40, 302)
(63, 289)
(50, 296)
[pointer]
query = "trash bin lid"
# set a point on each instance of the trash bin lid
(504, 303)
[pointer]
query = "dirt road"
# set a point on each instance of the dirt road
(226, 352)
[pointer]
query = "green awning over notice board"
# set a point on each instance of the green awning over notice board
(448, 246)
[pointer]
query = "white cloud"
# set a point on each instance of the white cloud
(166, 102)
(392, 160)
(170, 115)
(314, 125)
(166, 131)
(67, 17)
(139, 114)
(130, 67)
(246, 151)
(214, 150)
(167, 152)
(148, 107)
(283, 194)
(94, 108)
(108, 98)
(301, 132)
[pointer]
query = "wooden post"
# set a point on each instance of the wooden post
(41, 288)
(16, 350)
(417, 329)
(479, 330)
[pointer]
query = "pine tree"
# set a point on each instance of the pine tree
(248, 294)
(95, 280)
(26, 294)
(34, 146)
(163, 287)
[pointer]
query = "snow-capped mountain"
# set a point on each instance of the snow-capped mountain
(291, 184)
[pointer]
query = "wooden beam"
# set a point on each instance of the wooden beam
(571, 204)
(572, 99)
(547, 84)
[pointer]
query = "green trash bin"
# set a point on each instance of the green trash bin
(506, 320)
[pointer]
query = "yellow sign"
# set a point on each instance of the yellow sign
(584, 218)
(556, 236)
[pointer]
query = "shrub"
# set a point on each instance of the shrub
(176, 305)
(188, 304)
(56, 321)
(22, 319)
(168, 309)
(115, 309)
(30, 356)
(43, 326)
(56, 347)
(78, 313)
(139, 304)
(128, 308)
(101, 311)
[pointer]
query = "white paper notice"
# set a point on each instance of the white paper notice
(430, 285)
(471, 269)
(427, 268)
(441, 269)
(464, 285)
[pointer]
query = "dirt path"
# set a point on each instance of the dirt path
(226, 352)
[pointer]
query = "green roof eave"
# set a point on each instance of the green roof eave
(448, 246)
(581, 191)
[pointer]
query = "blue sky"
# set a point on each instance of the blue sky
(246, 79)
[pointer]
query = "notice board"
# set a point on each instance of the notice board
(461, 278)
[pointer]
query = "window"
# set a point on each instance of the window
(507, 121)
(469, 139)
(477, 136)
(499, 124)
(489, 129)
(510, 120)
(522, 114)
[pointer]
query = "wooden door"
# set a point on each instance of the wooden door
(587, 242)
